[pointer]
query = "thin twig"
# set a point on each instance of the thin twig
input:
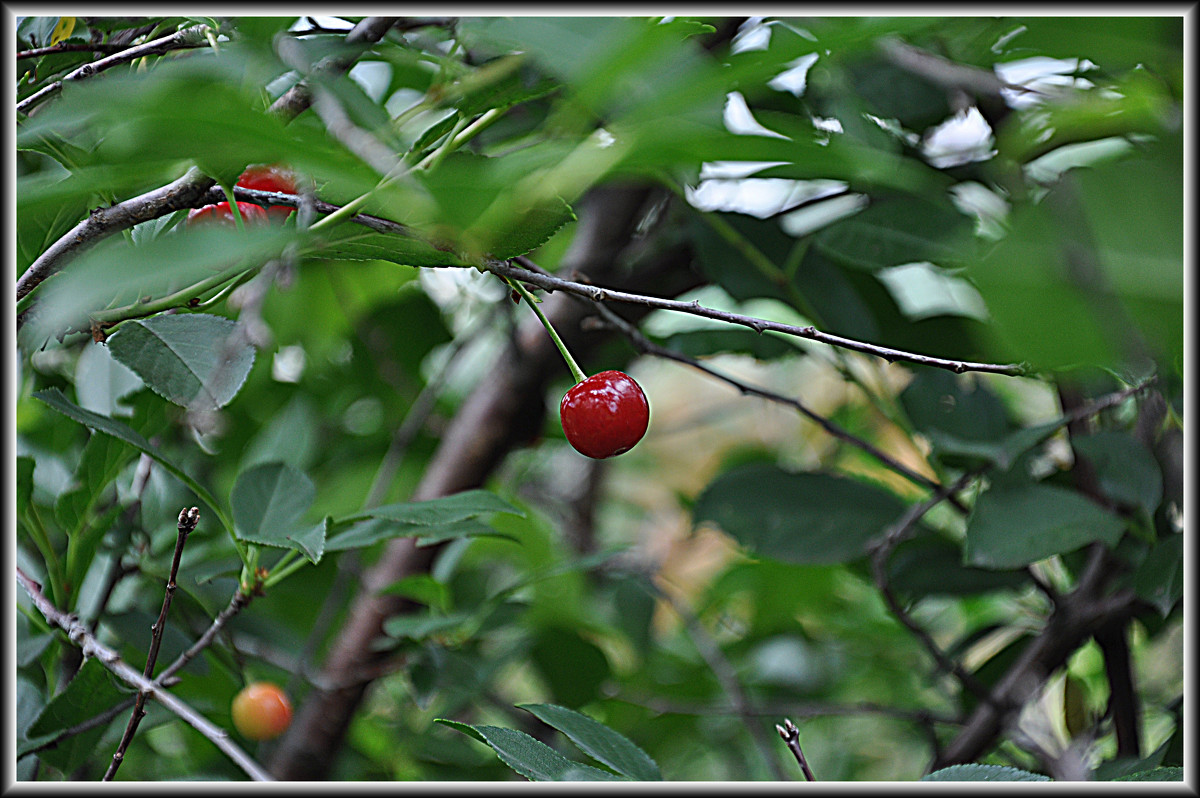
(188, 37)
(104, 222)
(79, 634)
(791, 736)
(188, 518)
(881, 550)
(72, 47)
(552, 283)
(806, 710)
(117, 570)
(945, 73)
(165, 679)
(368, 31)
(725, 673)
(236, 605)
(646, 346)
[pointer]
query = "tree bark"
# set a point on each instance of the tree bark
(505, 410)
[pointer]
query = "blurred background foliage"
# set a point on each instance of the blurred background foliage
(819, 178)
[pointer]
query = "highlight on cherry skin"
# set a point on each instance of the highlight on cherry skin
(261, 711)
(605, 414)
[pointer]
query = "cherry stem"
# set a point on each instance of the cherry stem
(576, 372)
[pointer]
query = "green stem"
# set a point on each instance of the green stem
(176, 299)
(460, 135)
(344, 212)
(233, 206)
(283, 569)
(576, 372)
(437, 156)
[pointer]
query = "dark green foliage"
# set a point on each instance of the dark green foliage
(663, 611)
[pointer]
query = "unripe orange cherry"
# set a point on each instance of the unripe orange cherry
(261, 711)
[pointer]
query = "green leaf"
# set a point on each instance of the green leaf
(30, 644)
(1085, 276)
(373, 530)
(1157, 774)
(101, 382)
(91, 692)
(420, 626)
(534, 760)
(102, 459)
(572, 666)
(25, 466)
(467, 528)
(482, 203)
(963, 407)
(458, 507)
(702, 343)
(798, 518)
(311, 541)
(1012, 525)
(269, 501)
(614, 66)
(1115, 43)
(117, 274)
(117, 429)
(1159, 579)
(983, 773)
(465, 728)
(352, 241)
(897, 230)
(185, 358)
(422, 588)
(598, 741)
(930, 565)
(1127, 471)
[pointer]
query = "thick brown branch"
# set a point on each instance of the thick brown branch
(503, 411)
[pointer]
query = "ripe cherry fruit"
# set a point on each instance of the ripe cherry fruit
(605, 415)
(261, 711)
(221, 213)
(270, 178)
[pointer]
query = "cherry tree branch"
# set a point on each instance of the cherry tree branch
(71, 47)
(598, 294)
(188, 37)
(182, 193)
(646, 346)
(299, 97)
(881, 550)
(79, 634)
(721, 667)
(791, 736)
(188, 518)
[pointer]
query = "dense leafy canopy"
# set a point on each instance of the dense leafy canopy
(982, 475)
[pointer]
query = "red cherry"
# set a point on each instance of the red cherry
(270, 178)
(605, 415)
(221, 213)
(261, 711)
